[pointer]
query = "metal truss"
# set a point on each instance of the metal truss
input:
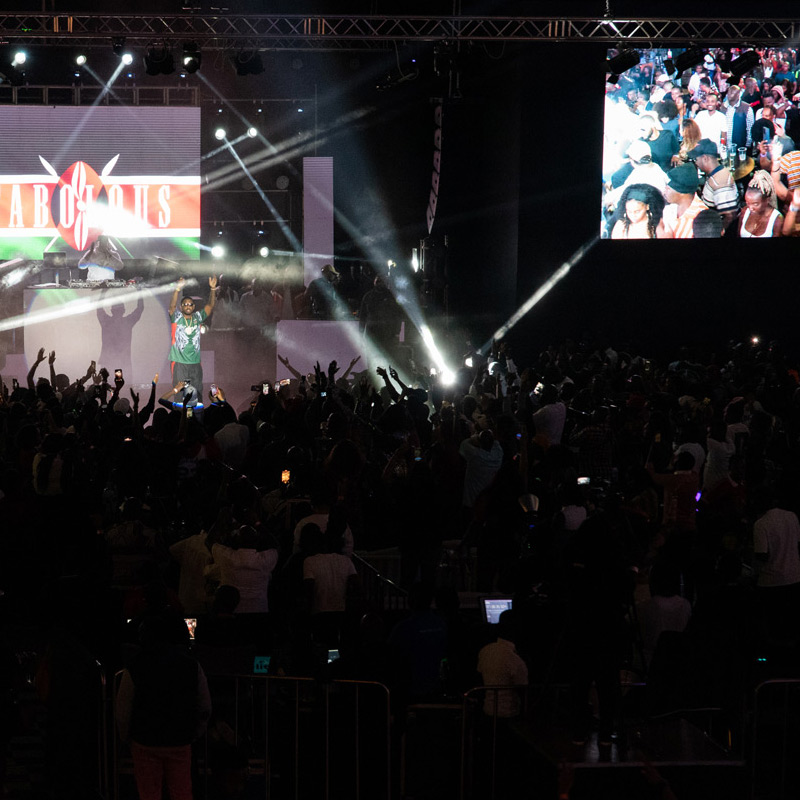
(339, 32)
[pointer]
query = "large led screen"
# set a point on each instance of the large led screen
(71, 174)
(701, 144)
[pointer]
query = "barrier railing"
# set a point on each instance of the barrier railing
(312, 737)
(493, 708)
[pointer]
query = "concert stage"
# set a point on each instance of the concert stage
(129, 328)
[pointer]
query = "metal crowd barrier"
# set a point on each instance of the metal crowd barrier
(477, 724)
(313, 737)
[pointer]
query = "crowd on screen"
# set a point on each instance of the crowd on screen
(703, 154)
(577, 479)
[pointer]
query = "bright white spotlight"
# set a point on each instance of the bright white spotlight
(220, 133)
(415, 260)
(468, 362)
(127, 58)
(80, 60)
(20, 57)
(446, 375)
(252, 132)
(217, 251)
(264, 252)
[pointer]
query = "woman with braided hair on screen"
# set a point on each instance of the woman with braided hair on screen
(638, 214)
(760, 218)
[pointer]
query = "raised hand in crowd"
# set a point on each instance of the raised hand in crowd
(349, 369)
(32, 370)
(333, 368)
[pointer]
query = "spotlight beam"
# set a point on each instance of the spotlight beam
(267, 202)
(73, 137)
(78, 306)
(540, 293)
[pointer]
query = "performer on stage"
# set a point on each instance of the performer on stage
(185, 352)
(101, 260)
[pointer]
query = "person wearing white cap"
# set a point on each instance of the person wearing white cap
(644, 171)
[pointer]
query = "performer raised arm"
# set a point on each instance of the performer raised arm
(184, 354)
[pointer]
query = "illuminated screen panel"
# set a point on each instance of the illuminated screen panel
(654, 116)
(69, 174)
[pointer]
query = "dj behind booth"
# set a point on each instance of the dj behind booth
(101, 261)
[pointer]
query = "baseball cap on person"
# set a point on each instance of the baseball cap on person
(683, 179)
(708, 58)
(329, 269)
(705, 147)
(638, 151)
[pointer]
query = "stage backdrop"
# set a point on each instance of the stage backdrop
(68, 174)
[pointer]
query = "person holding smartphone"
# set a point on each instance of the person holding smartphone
(184, 355)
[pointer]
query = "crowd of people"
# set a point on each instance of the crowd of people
(705, 153)
(577, 479)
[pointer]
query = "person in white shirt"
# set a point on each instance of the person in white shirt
(550, 418)
(712, 122)
(500, 665)
(776, 547)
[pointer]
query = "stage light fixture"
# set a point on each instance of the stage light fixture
(688, 59)
(248, 62)
(220, 133)
(622, 62)
(263, 252)
(191, 57)
(745, 63)
(158, 60)
(127, 58)
(217, 251)
(80, 59)
(118, 45)
(252, 132)
(20, 57)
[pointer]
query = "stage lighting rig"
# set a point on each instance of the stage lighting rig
(622, 62)
(685, 60)
(158, 60)
(192, 59)
(118, 48)
(745, 63)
